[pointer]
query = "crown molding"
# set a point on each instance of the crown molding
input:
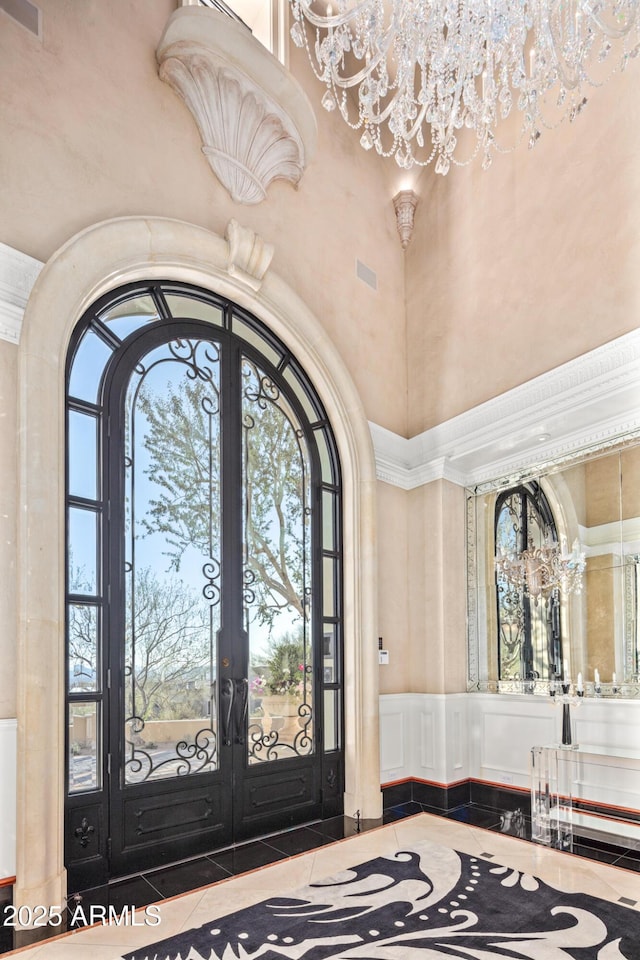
(18, 273)
(588, 403)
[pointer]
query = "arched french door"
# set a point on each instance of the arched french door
(204, 627)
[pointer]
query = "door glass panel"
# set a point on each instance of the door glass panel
(83, 647)
(172, 561)
(89, 362)
(325, 457)
(125, 318)
(252, 336)
(328, 586)
(83, 459)
(331, 728)
(328, 520)
(194, 309)
(83, 551)
(277, 571)
(83, 747)
(329, 662)
(296, 385)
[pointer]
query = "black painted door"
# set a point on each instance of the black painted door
(214, 718)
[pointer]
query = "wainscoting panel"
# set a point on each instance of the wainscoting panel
(507, 738)
(393, 743)
(427, 740)
(612, 781)
(445, 739)
(435, 737)
(8, 732)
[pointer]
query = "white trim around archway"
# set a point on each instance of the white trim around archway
(91, 263)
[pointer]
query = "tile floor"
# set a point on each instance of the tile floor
(233, 879)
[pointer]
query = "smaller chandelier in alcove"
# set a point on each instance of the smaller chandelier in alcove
(539, 571)
(432, 80)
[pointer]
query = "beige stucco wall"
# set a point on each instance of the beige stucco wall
(630, 473)
(603, 490)
(95, 134)
(436, 587)
(518, 269)
(393, 587)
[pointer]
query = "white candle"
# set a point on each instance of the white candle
(579, 685)
(613, 679)
(596, 675)
(565, 671)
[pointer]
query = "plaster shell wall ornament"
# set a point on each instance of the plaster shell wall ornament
(255, 121)
(249, 255)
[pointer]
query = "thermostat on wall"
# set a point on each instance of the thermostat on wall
(383, 656)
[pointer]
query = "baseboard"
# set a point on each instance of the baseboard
(496, 795)
(441, 796)
(448, 796)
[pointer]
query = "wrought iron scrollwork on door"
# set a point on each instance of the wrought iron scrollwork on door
(84, 832)
(269, 744)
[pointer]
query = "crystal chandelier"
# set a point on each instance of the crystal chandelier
(538, 571)
(431, 79)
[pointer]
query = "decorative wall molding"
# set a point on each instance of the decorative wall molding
(424, 736)
(249, 255)
(18, 273)
(590, 402)
(255, 121)
(488, 737)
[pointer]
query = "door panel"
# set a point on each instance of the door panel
(164, 822)
(215, 535)
(276, 796)
(172, 521)
(277, 571)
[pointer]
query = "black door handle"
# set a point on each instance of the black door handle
(227, 691)
(242, 703)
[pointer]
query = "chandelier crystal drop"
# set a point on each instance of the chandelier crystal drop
(430, 81)
(538, 571)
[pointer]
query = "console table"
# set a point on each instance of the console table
(593, 791)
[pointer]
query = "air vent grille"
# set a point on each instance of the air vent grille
(25, 13)
(366, 274)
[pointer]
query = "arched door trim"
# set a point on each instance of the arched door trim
(99, 258)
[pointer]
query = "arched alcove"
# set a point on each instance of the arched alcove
(91, 263)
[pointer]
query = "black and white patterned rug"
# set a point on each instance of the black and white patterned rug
(429, 902)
